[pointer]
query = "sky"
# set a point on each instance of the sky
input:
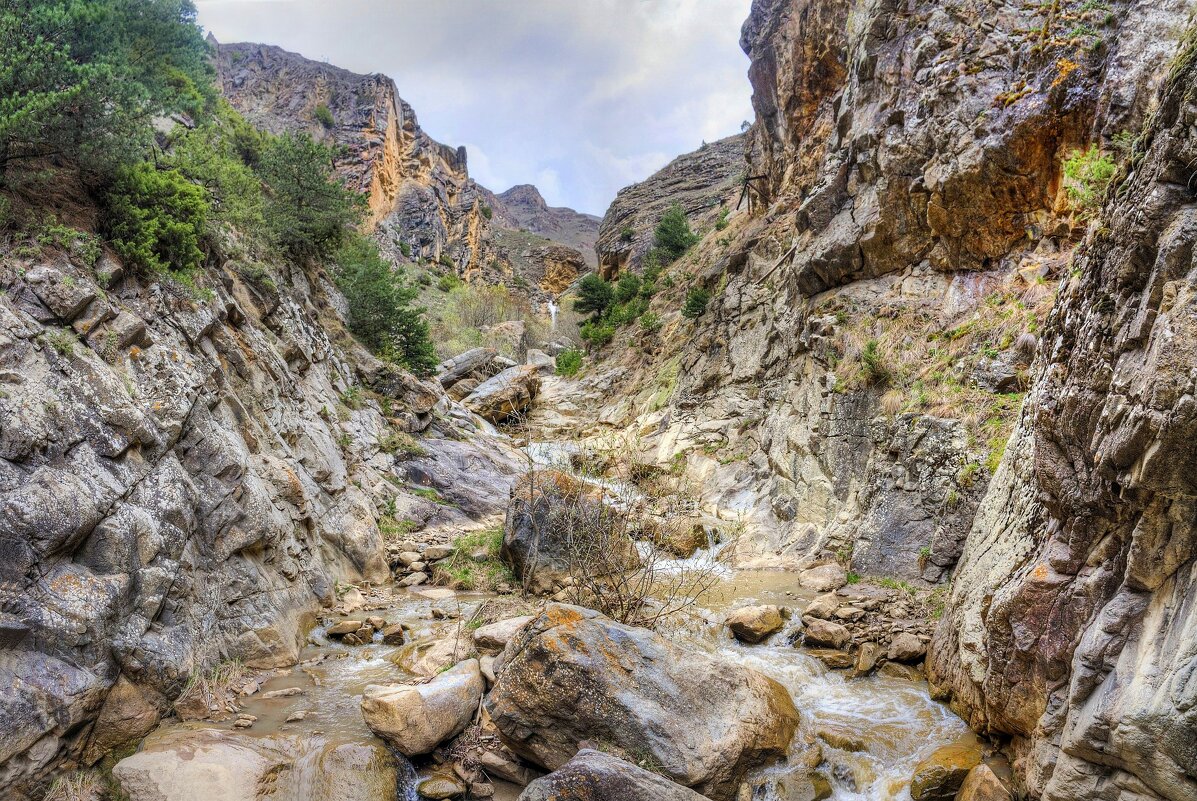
(580, 97)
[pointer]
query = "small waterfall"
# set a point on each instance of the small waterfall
(552, 314)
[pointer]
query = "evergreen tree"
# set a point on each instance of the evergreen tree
(309, 213)
(81, 80)
(673, 235)
(594, 296)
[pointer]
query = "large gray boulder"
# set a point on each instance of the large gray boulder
(556, 524)
(416, 718)
(505, 395)
(572, 675)
(594, 776)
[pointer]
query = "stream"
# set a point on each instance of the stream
(893, 722)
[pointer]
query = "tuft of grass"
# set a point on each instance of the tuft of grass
(400, 443)
(430, 494)
(1087, 174)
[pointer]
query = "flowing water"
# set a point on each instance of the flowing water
(892, 722)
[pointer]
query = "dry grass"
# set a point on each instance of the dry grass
(925, 361)
(83, 785)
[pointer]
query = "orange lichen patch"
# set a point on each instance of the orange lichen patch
(1065, 67)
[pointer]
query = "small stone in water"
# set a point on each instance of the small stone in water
(296, 716)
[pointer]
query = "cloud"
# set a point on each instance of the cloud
(578, 97)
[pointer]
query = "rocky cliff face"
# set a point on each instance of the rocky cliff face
(1070, 626)
(523, 208)
(704, 182)
(853, 382)
(422, 201)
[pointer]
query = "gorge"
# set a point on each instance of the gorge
(846, 457)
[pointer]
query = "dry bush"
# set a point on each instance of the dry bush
(211, 693)
(83, 785)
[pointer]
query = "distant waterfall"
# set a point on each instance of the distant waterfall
(553, 315)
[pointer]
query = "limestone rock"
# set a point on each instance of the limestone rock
(492, 638)
(825, 578)
(754, 624)
(509, 393)
(939, 776)
(572, 675)
(982, 784)
(821, 633)
(906, 648)
(415, 719)
(594, 776)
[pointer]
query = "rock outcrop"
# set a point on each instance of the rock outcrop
(1070, 627)
(704, 182)
(572, 675)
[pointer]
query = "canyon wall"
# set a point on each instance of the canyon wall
(850, 388)
(1072, 622)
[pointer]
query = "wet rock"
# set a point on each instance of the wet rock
(441, 786)
(594, 776)
(183, 763)
(406, 558)
(906, 648)
(821, 633)
(867, 657)
(682, 536)
(492, 638)
(982, 784)
(344, 627)
(500, 763)
(833, 658)
(939, 776)
(572, 675)
(393, 635)
(509, 393)
(842, 736)
(825, 578)
(431, 655)
(895, 670)
(754, 624)
(415, 719)
(552, 519)
(414, 580)
(823, 606)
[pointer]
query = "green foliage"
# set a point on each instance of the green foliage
(430, 494)
(380, 310)
(627, 234)
(309, 213)
(1087, 173)
(627, 288)
(722, 222)
(209, 155)
(874, 366)
(405, 249)
(155, 219)
(650, 322)
(696, 303)
(597, 333)
(594, 296)
(82, 79)
(84, 245)
(324, 116)
(448, 282)
(488, 212)
(673, 236)
(569, 362)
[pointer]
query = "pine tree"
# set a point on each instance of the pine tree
(673, 235)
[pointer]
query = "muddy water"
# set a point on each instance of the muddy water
(894, 722)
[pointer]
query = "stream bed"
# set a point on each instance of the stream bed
(882, 726)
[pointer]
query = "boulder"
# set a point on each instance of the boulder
(594, 776)
(509, 393)
(431, 655)
(440, 786)
(906, 648)
(939, 776)
(833, 658)
(472, 361)
(185, 763)
(823, 606)
(552, 520)
(129, 713)
(344, 627)
(754, 624)
(679, 536)
(867, 657)
(819, 633)
(491, 639)
(393, 634)
(982, 784)
(573, 675)
(434, 552)
(417, 718)
(824, 578)
(499, 763)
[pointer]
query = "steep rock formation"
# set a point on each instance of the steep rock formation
(855, 376)
(703, 182)
(523, 208)
(183, 480)
(1071, 623)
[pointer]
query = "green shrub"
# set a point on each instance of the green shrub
(722, 222)
(380, 310)
(627, 288)
(597, 333)
(405, 249)
(696, 303)
(650, 322)
(309, 213)
(1087, 173)
(876, 371)
(673, 236)
(488, 212)
(208, 156)
(594, 295)
(627, 234)
(155, 219)
(324, 116)
(448, 282)
(569, 362)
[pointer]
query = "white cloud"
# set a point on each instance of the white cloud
(590, 95)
